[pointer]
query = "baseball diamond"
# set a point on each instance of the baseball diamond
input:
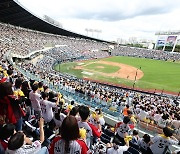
(143, 73)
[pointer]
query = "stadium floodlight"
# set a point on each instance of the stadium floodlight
(97, 31)
(87, 30)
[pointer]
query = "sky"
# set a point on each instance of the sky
(115, 19)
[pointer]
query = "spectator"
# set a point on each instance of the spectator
(69, 141)
(125, 110)
(115, 149)
(97, 118)
(59, 117)
(19, 143)
(135, 137)
(46, 107)
(122, 131)
(75, 112)
(12, 112)
(35, 101)
(92, 131)
(5, 133)
(144, 143)
(163, 141)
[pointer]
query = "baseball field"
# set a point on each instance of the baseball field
(138, 73)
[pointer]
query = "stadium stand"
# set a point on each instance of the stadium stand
(145, 53)
(30, 90)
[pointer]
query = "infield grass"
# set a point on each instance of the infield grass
(102, 68)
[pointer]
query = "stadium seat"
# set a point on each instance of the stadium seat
(143, 125)
(104, 139)
(144, 151)
(127, 152)
(108, 132)
(133, 150)
(135, 146)
(151, 127)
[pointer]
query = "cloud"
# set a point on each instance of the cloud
(116, 18)
(105, 10)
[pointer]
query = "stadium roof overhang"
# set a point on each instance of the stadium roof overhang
(168, 33)
(12, 12)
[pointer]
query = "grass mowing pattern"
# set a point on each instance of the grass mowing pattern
(157, 74)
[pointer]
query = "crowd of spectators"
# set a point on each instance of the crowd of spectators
(65, 53)
(152, 109)
(145, 53)
(22, 41)
(22, 100)
(73, 126)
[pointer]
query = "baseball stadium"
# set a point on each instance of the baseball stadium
(63, 92)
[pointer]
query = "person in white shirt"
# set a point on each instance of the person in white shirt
(135, 137)
(143, 114)
(115, 149)
(144, 143)
(157, 116)
(97, 116)
(123, 130)
(59, 117)
(175, 124)
(46, 107)
(160, 142)
(20, 144)
(35, 98)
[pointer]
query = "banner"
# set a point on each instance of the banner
(171, 41)
(161, 41)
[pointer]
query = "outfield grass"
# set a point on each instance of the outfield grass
(157, 74)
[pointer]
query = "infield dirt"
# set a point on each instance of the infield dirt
(125, 71)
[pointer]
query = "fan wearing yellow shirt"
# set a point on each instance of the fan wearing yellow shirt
(70, 106)
(40, 87)
(17, 88)
(97, 118)
(132, 118)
